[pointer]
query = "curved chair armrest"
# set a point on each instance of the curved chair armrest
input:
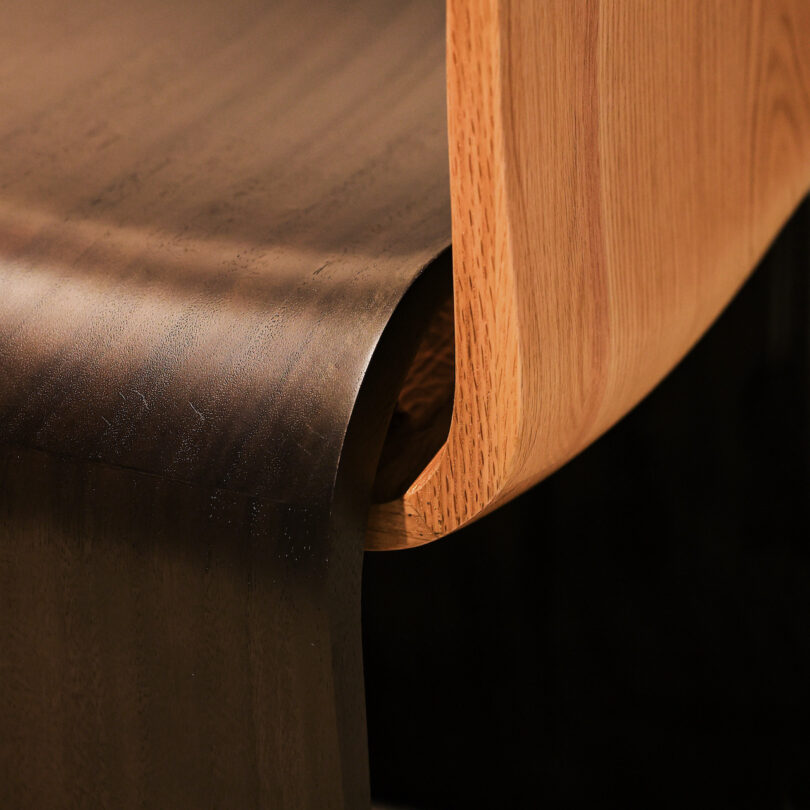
(617, 169)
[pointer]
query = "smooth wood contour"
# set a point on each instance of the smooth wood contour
(617, 169)
(214, 218)
(212, 213)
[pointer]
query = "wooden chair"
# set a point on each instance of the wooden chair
(235, 348)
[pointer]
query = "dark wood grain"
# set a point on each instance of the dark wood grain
(209, 212)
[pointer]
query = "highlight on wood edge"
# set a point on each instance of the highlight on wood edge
(609, 197)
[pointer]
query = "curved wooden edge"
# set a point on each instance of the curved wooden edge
(616, 172)
(209, 215)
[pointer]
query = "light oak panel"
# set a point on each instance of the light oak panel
(617, 169)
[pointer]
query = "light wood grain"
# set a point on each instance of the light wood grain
(617, 169)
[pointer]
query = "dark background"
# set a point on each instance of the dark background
(637, 627)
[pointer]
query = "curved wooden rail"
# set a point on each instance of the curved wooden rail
(617, 169)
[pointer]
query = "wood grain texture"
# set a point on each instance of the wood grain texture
(168, 644)
(209, 215)
(617, 169)
(209, 212)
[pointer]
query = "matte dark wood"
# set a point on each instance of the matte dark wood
(209, 212)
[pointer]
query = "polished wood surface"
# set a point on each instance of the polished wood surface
(190, 194)
(617, 169)
(223, 251)
(615, 174)
(209, 215)
(190, 214)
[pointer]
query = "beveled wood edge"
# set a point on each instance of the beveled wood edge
(496, 447)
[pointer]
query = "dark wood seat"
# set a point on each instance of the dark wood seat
(208, 215)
